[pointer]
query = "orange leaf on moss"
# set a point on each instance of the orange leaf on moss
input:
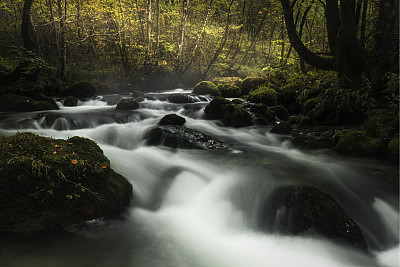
(104, 166)
(58, 146)
(74, 161)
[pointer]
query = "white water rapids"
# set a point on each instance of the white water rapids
(195, 208)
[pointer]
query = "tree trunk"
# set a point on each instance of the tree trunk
(311, 58)
(182, 31)
(149, 10)
(26, 26)
(351, 63)
(332, 24)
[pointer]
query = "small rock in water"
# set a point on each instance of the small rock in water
(129, 103)
(172, 119)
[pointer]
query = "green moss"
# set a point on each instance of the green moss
(251, 83)
(264, 94)
(206, 87)
(310, 104)
(383, 123)
(235, 115)
(47, 184)
(229, 90)
(356, 143)
(213, 110)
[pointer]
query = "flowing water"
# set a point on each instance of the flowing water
(202, 208)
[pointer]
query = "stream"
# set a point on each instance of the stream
(200, 208)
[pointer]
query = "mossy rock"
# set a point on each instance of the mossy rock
(80, 90)
(353, 142)
(229, 90)
(235, 116)
(11, 102)
(289, 98)
(206, 88)
(263, 114)
(251, 83)
(310, 104)
(70, 101)
(281, 112)
(49, 184)
(264, 94)
(234, 81)
(128, 104)
(383, 123)
(213, 110)
(282, 128)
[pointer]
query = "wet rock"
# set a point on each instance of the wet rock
(235, 116)
(206, 88)
(304, 210)
(49, 118)
(180, 99)
(313, 137)
(128, 103)
(213, 110)
(263, 114)
(12, 102)
(172, 119)
(182, 137)
(70, 101)
(282, 128)
(281, 112)
(49, 184)
(80, 90)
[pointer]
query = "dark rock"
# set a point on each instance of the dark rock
(263, 114)
(172, 119)
(80, 90)
(304, 210)
(70, 101)
(213, 110)
(182, 137)
(50, 184)
(313, 137)
(206, 88)
(49, 118)
(352, 142)
(180, 99)
(281, 112)
(128, 103)
(264, 94)
(11, 102)
(282, 128)
(235, 116)
(251, 83)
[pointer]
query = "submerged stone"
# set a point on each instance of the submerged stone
(304, 210)
(49, 184)
(172, 119)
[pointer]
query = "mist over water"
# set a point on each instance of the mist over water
(201, 208)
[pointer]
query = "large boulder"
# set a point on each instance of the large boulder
(80, 90)
(172, 119)
(182, 137)
(49, 184)
(235, 116)
(127, 104)
(251, 83)
(264, 94)
(214, 108)
(229, 90)
(304, 210)
(12, 102)
(206, 88)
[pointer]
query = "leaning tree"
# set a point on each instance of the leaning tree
(345, 27)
